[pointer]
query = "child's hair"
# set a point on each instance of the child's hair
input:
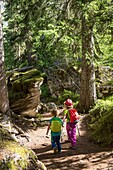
(69, 107)
(54, 112)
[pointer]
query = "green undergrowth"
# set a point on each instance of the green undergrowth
(101, 122)
(68, 94)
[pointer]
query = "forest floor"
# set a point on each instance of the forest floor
(87, 156)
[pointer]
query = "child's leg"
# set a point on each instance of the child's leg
(53, 143)
(58, 143)
(68, 130)
(73, 135)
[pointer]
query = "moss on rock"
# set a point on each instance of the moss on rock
(24, 91)
(16, 157)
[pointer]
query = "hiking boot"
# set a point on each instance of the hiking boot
(68, 140)
(55, 150)
(59, 151)
(73, 147)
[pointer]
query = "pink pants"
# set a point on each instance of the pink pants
(71, 132)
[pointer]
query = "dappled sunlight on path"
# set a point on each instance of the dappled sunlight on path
(87, 156)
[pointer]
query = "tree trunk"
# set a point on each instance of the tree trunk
(28, 53)
(4, 102)
(88, 88)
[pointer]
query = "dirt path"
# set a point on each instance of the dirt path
(87, 156)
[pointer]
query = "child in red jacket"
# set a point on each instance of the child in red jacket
(72, 117)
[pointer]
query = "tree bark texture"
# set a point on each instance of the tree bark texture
(88, 88)
(4, 102)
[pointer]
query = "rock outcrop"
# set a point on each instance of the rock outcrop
(24, 91)
(14, 156)
(60, 79)
(69, 79)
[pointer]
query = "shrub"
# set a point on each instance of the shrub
(68, 94)
(101, 121)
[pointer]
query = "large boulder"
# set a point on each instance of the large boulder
(13, 155)
(24, 91)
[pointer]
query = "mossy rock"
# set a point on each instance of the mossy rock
(16, 157)
(24, 90)
(13, 156)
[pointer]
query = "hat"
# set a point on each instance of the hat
(68, 102)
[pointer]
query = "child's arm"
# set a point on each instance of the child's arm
(48, 128)
(77, 118)
(65, 115)
(77, 115)
(64, 118)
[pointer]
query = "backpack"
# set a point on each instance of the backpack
(73, 115)
(56, 125)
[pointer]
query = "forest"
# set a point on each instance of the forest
(54, 38)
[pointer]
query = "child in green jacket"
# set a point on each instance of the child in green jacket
(55, 124)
